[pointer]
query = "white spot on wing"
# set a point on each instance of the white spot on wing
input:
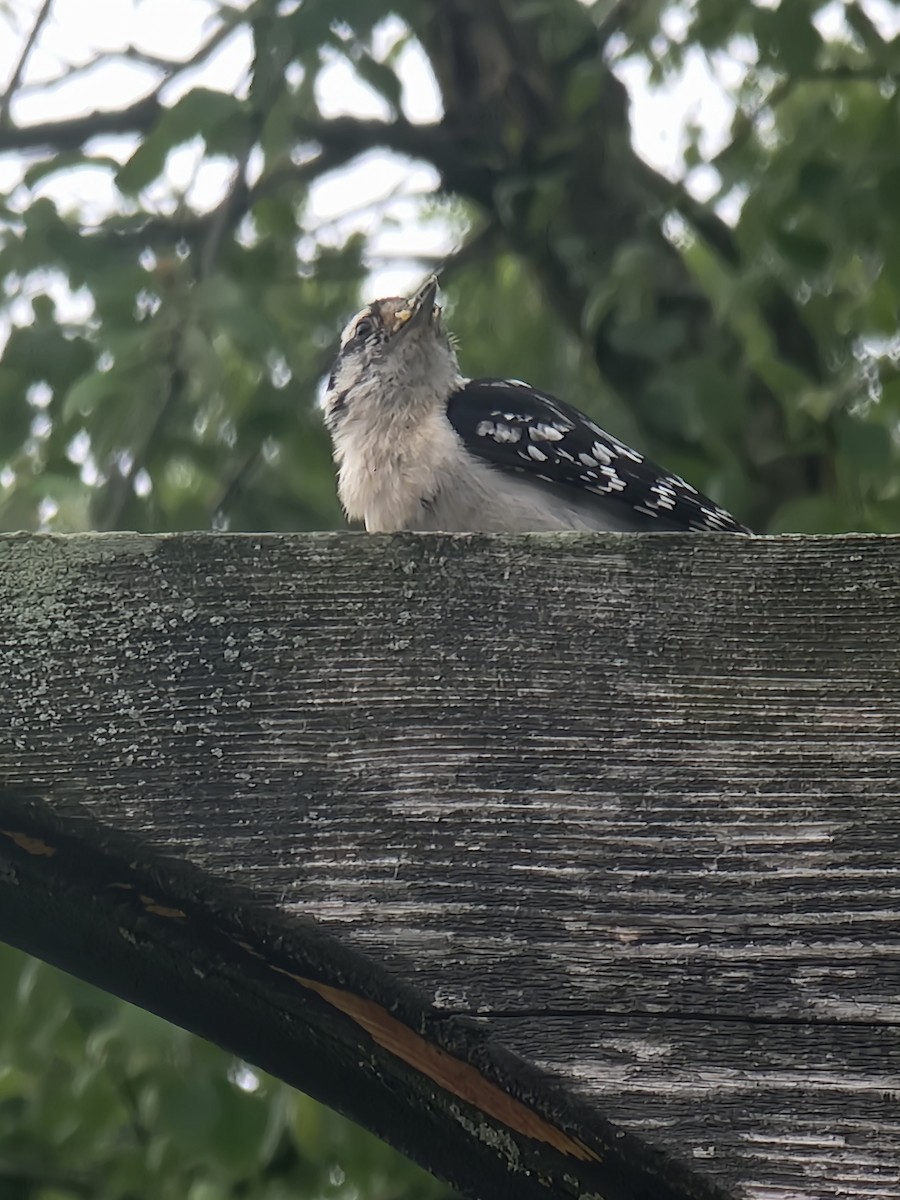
(498, 432)
(616, 482)
(663, 495)
(626, 451)
(716, 516)
(545, 433)
(676, 482)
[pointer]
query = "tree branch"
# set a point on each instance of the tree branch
(18, 70)
(138, 118)
(73, 132)
(351, 135)
(354, 135)
(169, 67)
(161, 233)
(613, 21)
(172, 67)
(226, 215)
(262, 95)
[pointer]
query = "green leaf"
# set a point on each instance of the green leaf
(215, 116)
(17, 413)
(584, 86)
(275, 217)
(808, 252)
(86, 393)
(146, 164)
(819, 403)
(598, 306)
(787, 35)
(380, 77)
(67, 162)
(862, 25)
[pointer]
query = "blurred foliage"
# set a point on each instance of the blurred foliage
(163, 349)
(101, 1100)
(164, 357)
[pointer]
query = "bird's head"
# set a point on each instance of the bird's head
(395, 352)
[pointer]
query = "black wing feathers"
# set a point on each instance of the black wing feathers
(518, 428)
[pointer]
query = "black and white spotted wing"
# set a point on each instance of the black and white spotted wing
(515, 427)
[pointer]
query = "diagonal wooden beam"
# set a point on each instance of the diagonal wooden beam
(558, 861)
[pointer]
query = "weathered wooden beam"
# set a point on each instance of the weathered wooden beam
(494, 843)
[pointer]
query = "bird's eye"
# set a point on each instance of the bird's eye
(364, 329)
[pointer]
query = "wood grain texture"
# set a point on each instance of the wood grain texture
(548, 780)
(792, 1110)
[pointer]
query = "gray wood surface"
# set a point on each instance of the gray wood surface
(631, 801)
(789, 1109)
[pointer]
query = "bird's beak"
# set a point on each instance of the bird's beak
(421, 307)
